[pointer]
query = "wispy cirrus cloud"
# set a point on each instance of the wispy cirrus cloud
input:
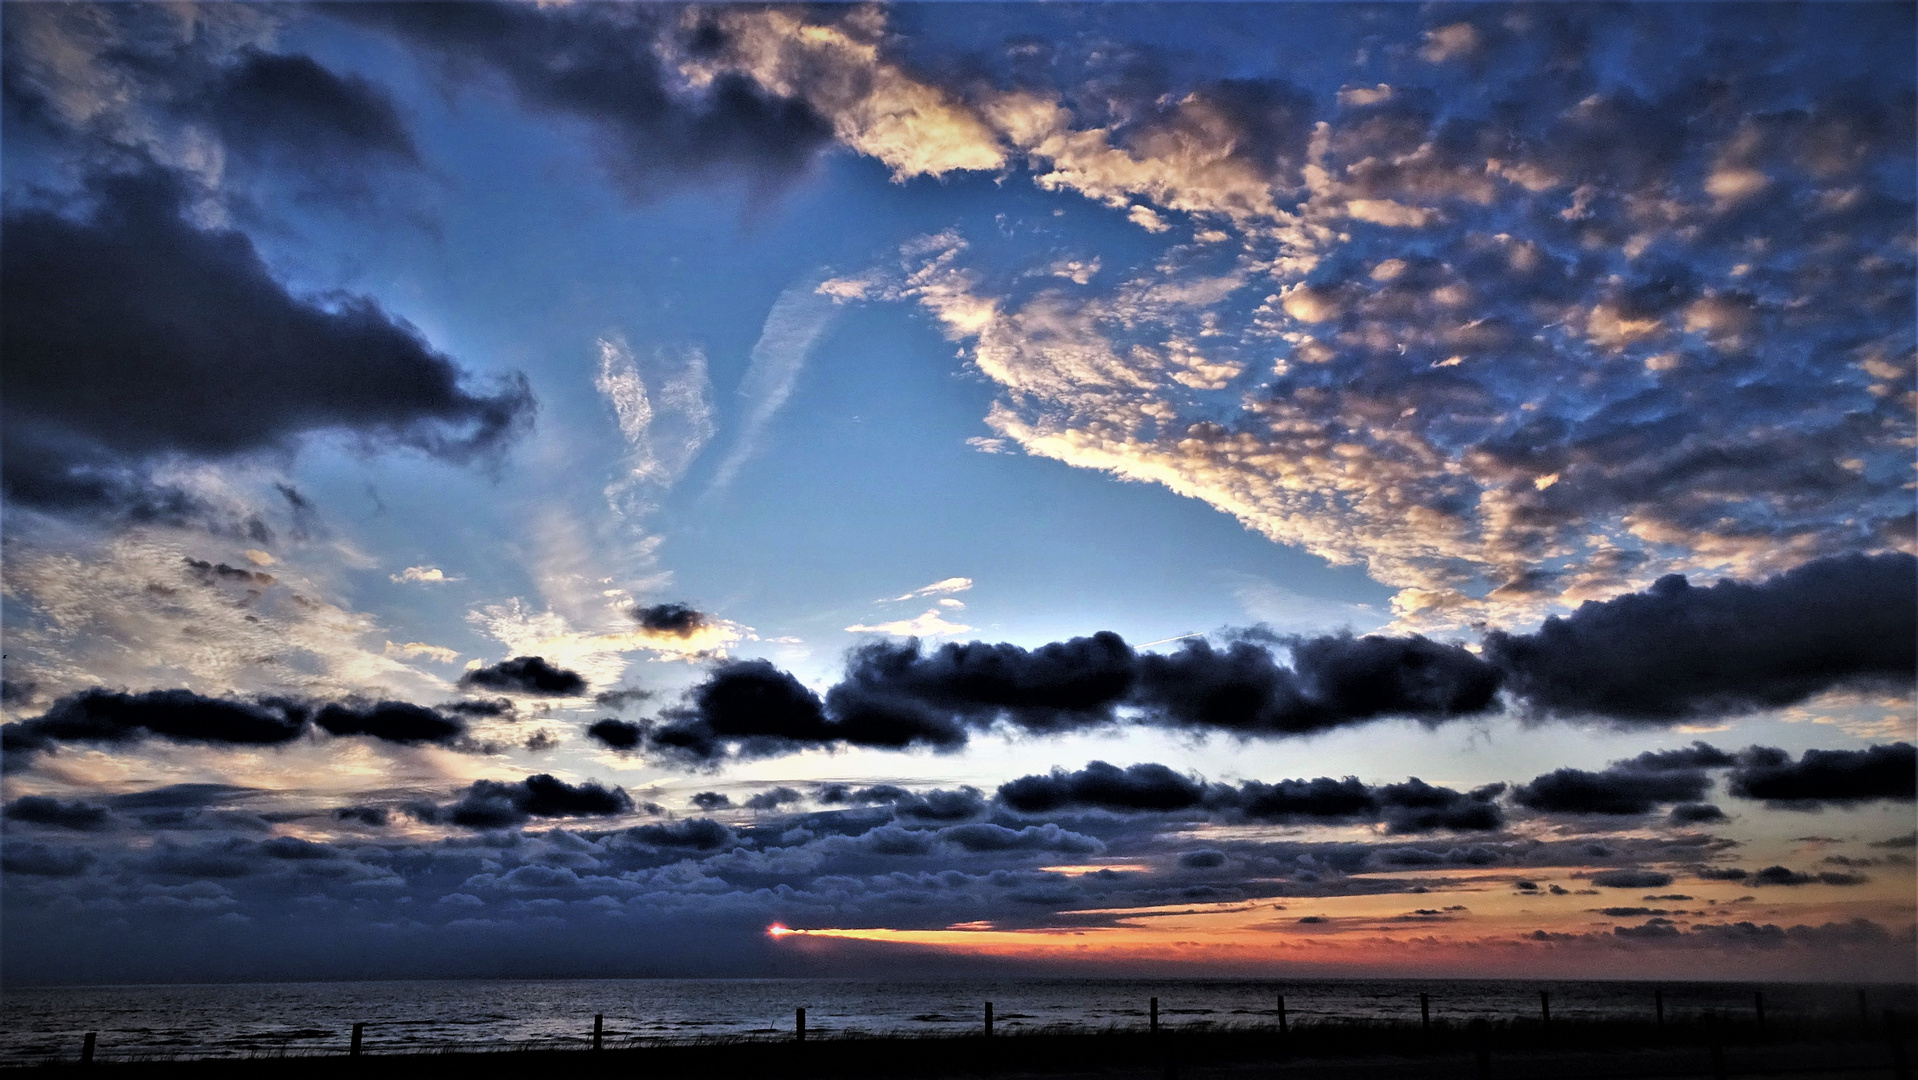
(942, 587)
(664, 413)
(794, 325)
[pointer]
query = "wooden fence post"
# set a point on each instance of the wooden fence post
(988, 1019)
(1282, 1014)
(1153, 1008)
(599, 1027)
(1425, 1014)
(799, 1025)
(86, 1048)
(1545, 1008)
(358, 1029)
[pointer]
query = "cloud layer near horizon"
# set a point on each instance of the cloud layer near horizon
(1096, 849)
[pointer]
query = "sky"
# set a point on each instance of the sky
(595, 489)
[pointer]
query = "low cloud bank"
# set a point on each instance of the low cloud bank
(1670, 654)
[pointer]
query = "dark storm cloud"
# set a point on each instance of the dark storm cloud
(984, 836)
(710, 801)
(1410, 807)
(111, 717)
(678, 620)
(492, 708)
(619, 699)
(104, 716)
(1827, 777)
(1418, 807)
(617, 734)
(1699, 755)
(1146, 786)
(275, 104)
(495, 804)
(1616, 791)
(697, 834)
(1696, 814)
(940, 804)
(1053, 687)
(58, 813)
(391, 721)
(1291, 801)
(1334, 681)
(1641, 784)
(1779, 875)
(1632, 879)
(896, 696)
(752, 709)
(526, 675)
(1677, 651)
(1665, 655)
(321, 129)
(131, 337)
(598, 64)
(774, 799)
(372, 816)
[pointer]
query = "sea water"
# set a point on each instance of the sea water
(307, 1018)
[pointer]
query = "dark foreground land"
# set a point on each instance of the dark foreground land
(1567, 1050)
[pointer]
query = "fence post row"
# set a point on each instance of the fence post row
(86, 1048)
(1480, 1028)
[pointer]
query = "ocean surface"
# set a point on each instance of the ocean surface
(305, 1018)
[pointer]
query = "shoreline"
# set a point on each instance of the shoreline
(1506, 1050)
